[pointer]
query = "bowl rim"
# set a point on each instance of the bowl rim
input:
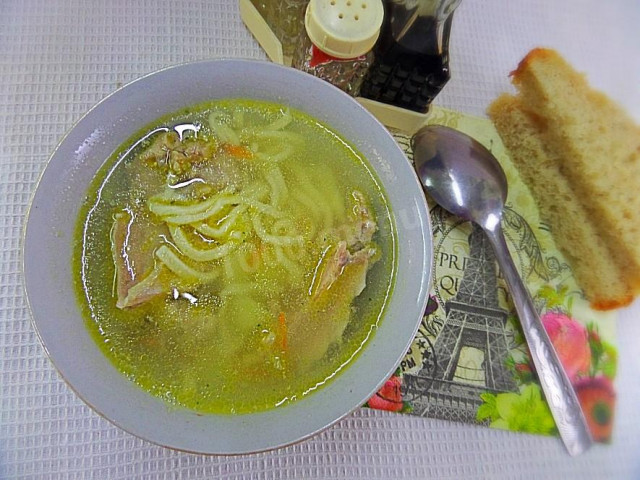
(423, 295)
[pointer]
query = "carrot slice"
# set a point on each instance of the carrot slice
(282, 331)
(237, 151)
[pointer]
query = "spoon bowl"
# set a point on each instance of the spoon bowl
(460, 174)
(465, 178)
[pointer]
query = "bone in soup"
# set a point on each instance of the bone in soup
(234, 257)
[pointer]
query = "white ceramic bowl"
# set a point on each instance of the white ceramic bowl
(49, 239)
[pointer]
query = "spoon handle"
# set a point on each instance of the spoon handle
(557, 387)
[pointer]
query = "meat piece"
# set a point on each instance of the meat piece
(322, 323)
(364, 225)
(166, 150)
(355, 238)
(364, 258)
(143, 291)
(159, 152)
(331, 266)
(334, 262)
(340, 277)
(133, 241)
(119, 241)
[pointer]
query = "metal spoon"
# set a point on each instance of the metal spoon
(466, 179)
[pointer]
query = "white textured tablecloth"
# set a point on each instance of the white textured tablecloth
(59, 57)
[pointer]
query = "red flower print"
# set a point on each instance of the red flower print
(597, 398)
(389, 397)
(570, 340)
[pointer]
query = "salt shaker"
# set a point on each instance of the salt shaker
(336, 42)
(412, 56)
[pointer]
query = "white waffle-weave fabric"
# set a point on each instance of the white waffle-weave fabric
(60, 57)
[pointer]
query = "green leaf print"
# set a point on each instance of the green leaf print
(526, 411)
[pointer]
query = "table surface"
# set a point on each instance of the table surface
(60, 57)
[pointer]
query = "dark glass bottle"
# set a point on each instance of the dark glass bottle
(412, 56)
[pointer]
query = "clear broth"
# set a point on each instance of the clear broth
(202, 346)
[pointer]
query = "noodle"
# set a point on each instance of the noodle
(222, 131)
(273, 239)
(283, 154)
(281, 122)
(225, 225)
(177, 266)
(277, 184)
(197, 254)
(163, 210)
(188, 217)
(293, 268)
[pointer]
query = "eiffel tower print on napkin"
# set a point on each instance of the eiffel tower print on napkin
(469, 361)
(469, 354)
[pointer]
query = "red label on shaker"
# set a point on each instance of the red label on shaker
(318, 57)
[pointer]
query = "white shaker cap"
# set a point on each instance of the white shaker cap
(344, 28)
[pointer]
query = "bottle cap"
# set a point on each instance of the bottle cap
(344, 28)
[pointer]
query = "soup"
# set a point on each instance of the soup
(234, 257)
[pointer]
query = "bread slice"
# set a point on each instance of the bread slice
(580, 154)
(577, 239)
